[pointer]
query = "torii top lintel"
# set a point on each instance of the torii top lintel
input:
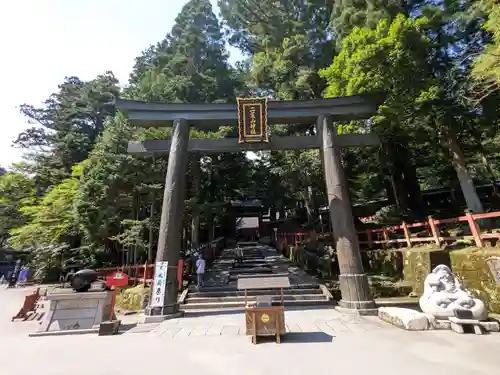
(209, 115)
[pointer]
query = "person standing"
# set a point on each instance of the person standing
(200, 270)
(239, 255)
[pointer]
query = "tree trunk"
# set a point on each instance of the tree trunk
(308, 205)
(195, 220)
(281, 211)
(272, 212)
(151, 230)
(210, 227)
(491, 173)
(394, 169)
(458, 161)
(388, 181)
(412, 187)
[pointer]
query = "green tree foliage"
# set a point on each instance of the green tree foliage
(393, 58)
(348, 14)
(256, 25)
(52, 219)
(288, 41)
(67, 125)
(487, 65)
(16, 190)
(190, 64)
(108, 192)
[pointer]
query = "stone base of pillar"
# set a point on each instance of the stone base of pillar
(159, 314)
(357, 312)
(356, 295)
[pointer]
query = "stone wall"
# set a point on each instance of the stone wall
(468, 264)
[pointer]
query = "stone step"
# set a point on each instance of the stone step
(236, 310)
(248, 243)
(246, 265)
(248, 252)
(234, 277)
(233, 288)
(257, 270)
(282, 274)
(277, 298)
(240, 304)
(256, 292)
(246, 257)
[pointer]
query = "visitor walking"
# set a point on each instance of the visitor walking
(200, 270)
(239, 255)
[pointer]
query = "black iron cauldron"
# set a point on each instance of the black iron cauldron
(82, 280)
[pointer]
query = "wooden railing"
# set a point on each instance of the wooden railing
(144, 273)
(430, 229)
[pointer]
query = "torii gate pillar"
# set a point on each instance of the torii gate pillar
(354, 285)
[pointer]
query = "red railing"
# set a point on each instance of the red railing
(137, 273)
(382, 236)
(144, 273)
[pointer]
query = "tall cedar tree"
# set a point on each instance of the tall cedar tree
(67, 126)
(190, 64)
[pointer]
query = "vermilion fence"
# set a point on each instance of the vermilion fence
(144, 273)
(430, 232)
(138, 273)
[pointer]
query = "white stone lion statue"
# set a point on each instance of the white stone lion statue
(443, 293)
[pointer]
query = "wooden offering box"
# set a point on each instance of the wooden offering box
(262, 318)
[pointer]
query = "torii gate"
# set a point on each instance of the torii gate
(253, 117)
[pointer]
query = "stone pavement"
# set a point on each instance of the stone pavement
(303, 325)
(322, 341)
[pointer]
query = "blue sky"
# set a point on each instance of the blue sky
(45, 40)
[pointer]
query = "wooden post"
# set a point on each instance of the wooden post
(385, 236)
(180, 274)
(407, 234)
(260, 230)
(113, 303)
(369, 238)
(353, 280)
(172, 213)
(434, 231)
(474, 229)
(136, 274)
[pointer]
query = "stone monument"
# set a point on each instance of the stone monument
(445, 304)
(444, 296)
(78, 310)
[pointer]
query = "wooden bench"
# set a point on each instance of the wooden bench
(29, 305)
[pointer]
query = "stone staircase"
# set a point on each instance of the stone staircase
(221, 293)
